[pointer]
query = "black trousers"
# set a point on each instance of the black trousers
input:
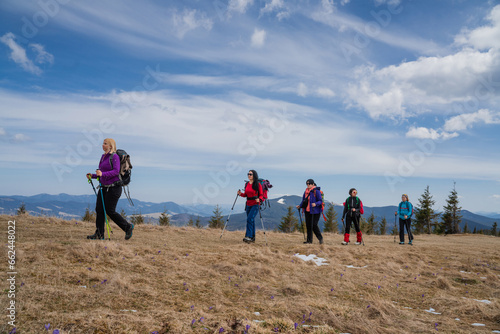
(349, 220)
(312, 226)
(402, 224)
(111, 197)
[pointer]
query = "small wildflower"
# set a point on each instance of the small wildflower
(368, 306)
(295, 325)
(192, 322)
(221, 330)
(56, 331)
(47, 326)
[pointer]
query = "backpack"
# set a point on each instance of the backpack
(266, 185)
(125, 171)
(406, 207)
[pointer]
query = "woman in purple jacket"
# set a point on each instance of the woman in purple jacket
(110, 191)
(312, 205)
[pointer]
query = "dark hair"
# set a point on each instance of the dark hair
(310, 181)
(255, 184)
(351, 190)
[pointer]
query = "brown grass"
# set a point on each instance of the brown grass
(166, 277)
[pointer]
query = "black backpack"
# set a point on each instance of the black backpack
(125, 171)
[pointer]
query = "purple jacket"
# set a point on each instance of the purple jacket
(109, 176)
(315, 197)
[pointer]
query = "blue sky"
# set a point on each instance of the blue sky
(386, 96)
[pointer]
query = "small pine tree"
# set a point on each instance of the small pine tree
(363, 225)
(137, 219)
(331, 223)
(190, 222)
(424, 213)
(370, 224)
(89, 216)
(466, 228)
(451, 217)
(216, 221)
(164, 219)
(197, 223)
(22, 209)
(289, 223)
(494, 229)
(475, 231)
(123, 213)
(382, 227)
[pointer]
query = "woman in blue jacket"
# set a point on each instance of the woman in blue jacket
(312, 203)
(405, 211)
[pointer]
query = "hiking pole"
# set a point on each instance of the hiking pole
(89, 178)
(262, 222)
(227, 220)
(302, 223)
(108, 228)
(395, 227)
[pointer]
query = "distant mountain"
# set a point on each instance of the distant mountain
(73, 206)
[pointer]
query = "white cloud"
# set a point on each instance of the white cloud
(42, 55)
(18, 54)
(20, 138)
(239, 6)
(483, 38)
(325, 92)
(258, 38)
(275, 6)
(496, 196)
(464, 121)
(426, 133)
(190, 20)
(302, 90)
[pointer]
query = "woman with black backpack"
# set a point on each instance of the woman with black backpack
(255, 195)
(110, 191)
(312, 202)
(353, 209)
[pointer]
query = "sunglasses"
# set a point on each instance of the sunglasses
(250, 174)
(308, 184)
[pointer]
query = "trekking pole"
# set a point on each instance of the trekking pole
(89, 178)
(262, 222)
(302, 223)
(395, 227)
(408, 228)
(108, 228)
(227, 220)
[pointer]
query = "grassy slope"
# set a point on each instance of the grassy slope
(164, 277)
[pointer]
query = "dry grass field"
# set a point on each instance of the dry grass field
(188, 280)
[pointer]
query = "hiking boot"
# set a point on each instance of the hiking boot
(402, 243)
(321, 242)
(252, 240)
(357, 243)
(410, 242)
(247, 239)
(345, 243)
(307, 242)
(95, 237)
(128, 235)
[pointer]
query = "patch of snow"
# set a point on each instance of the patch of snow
(478, 324)
(351, 266)
(128, 310)
(457, 319)
(318, 260)
(44, 209)
(281, 201)
(431, 310)
(481, 301)
(60, 213)
(256, 313)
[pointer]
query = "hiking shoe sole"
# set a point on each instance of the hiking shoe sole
(128, 235)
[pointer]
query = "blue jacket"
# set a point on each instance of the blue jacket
(405, 208)
(315, 197)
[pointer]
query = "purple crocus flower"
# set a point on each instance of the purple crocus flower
(47, 326)
(368, 306)
(192, 322)
(56, 331)
(295, 325)
(13, 331)
(272, 297)
(221, 330)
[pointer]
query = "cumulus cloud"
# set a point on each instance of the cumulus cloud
(426, 133)
(19, 56)
(190, 20)
(485, 37)
(275, 6)
(258, 38)
(239, 6)
(325, 92)
(464, 121)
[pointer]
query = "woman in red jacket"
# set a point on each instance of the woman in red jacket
(254, 194)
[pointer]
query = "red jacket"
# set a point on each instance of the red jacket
(251, 195)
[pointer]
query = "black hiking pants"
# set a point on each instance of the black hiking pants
(402, 224)
(312, 226)
(111, 197)
(349, 220)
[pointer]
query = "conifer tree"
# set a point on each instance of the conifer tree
(190, 222)
(289, 223)
(424, 213)
(494, 229)
(22, 209)
(382, 229)
(197, 223)
(475, 231)
(89, 216)
(331, 223)
(216, 221)
(164, 219)
(137, 219)
(370, 224)
(451, 217)
(466, 228)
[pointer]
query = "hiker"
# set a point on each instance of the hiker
(405, 211)
(255, 195)
(353, 209)
(110, 191)
(312, 205)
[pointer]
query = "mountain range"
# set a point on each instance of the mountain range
(74, 206)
